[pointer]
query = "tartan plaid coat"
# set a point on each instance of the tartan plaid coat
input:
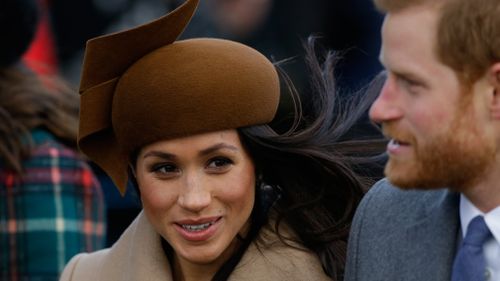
(53, 212)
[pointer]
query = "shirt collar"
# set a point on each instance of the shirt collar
(468, 211)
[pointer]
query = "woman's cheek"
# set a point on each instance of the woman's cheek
(157, 197)
(242, 190)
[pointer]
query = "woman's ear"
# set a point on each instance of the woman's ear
(131, 168)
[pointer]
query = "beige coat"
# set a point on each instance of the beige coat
(138, 255)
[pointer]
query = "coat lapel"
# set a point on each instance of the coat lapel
(427, 247)
(147, 260)
(137, 255)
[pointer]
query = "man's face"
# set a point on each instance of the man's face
(436, 127)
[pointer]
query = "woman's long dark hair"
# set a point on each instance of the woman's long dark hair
(319, 170)
(28, 101)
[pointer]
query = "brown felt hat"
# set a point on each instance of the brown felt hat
(140, 86)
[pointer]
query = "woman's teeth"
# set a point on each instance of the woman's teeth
(196, 227)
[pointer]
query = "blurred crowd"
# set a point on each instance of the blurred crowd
(277, 28)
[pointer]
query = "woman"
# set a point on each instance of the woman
(225, 197)
(51, 205)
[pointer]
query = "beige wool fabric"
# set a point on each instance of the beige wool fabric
(138, 256)
(140, 86)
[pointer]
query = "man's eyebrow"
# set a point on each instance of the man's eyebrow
(409, 76)
(400, 73)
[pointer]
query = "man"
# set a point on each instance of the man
(440, 108)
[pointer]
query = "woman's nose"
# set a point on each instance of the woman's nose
(195, 195)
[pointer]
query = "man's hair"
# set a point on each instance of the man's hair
(468, 35)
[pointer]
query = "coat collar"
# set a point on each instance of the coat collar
(427, 238)
(138, 255)
(147, 257)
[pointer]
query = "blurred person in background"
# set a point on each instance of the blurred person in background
(278, 29)
(51, 205)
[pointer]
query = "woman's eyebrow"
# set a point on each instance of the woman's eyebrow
(160, 154)
(218, 147)
(170, 156)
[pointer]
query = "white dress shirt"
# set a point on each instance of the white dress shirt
(492, 247)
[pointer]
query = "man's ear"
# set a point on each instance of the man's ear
(494, 80)
(494, 75)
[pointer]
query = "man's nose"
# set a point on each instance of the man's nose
(387, 105)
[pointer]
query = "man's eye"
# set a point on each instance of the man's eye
(411, 86)
(407, 82)
(219, 163)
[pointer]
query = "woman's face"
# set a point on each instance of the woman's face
(198, 192)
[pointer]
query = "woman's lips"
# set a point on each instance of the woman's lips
(198, 230)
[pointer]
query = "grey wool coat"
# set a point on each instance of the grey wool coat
(138, 255)
(403, 235)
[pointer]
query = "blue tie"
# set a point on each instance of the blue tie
(470, 264)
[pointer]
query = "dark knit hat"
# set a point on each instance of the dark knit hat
(140, 86)
(18, 20)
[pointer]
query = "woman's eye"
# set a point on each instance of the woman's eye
(219, 163)
(165, 168)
